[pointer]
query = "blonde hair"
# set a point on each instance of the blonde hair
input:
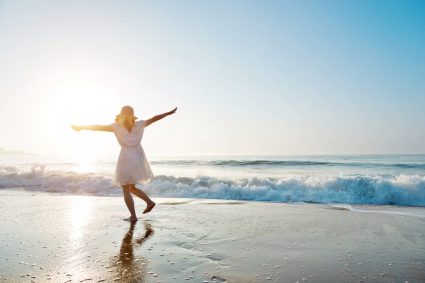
(126, 122)
(126, 118)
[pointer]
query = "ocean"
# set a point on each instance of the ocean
(343, 179)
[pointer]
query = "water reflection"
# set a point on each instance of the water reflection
(128, 267)
(80, 213)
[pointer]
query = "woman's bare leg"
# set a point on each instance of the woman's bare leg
(129, 201)
(141, 194)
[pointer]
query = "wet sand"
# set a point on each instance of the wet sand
(66, 238)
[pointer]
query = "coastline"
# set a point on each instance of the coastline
(71, 238)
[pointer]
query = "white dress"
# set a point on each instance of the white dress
(132, 165)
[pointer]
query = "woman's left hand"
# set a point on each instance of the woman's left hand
(172, 111)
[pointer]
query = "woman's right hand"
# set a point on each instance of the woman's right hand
(76, 128)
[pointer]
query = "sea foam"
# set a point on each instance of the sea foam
(408, 190)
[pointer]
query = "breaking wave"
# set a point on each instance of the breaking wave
(407, 190)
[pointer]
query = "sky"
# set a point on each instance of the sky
(248, 77)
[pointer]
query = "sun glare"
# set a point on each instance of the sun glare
(84, 164)
(78, 103)
(80, 212)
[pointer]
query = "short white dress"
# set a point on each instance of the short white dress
(132, 165)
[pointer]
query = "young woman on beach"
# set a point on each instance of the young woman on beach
(132, 166)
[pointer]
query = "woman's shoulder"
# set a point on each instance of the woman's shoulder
(140, 122)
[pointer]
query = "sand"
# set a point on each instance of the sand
(67, 238)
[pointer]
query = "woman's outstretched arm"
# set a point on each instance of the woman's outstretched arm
(105, 128)
(159, 117)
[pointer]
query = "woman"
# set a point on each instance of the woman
(132, 165)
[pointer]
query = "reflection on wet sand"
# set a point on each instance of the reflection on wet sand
(129, 268)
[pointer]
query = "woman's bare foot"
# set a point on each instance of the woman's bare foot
(131, 219)
(149, 207)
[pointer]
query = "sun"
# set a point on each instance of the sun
(78, 102)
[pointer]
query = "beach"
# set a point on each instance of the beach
(275, 141)
(49, 237)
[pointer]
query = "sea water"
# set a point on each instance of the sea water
(342, 179)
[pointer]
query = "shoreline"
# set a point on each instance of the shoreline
(406, 210)
(80, 238)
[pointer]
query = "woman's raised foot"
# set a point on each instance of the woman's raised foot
(149, 207)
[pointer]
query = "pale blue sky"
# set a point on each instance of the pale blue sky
(249, 77)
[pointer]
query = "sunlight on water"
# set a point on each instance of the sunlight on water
(83, 164)
(84, 167)
(80, 211)
(81, 208)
